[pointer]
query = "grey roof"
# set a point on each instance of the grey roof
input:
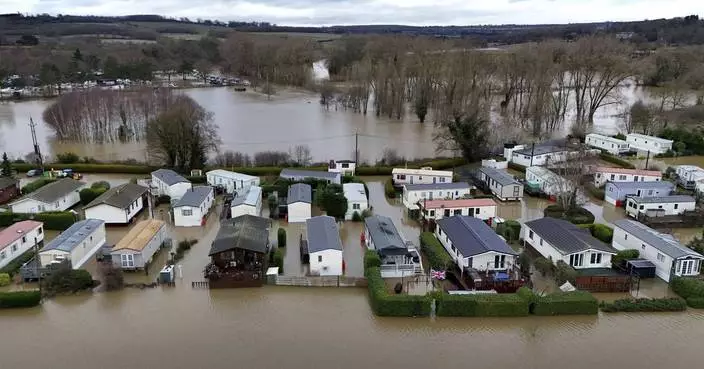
(540, 150)
(299, 192)
(6, 182)
(667, 244)
(437, 186)
(120, 196)
(55, 190)
(251, 197)
(74, 235)
(302, 173)
(567, 237)
(194, 197)
(500, 176)
(246, 232)
(642, 185)
(663, 199)
(472, 236)
(323, 234)
(384, 235)
(169, 177)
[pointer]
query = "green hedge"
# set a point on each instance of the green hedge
(517, 167)
(696, 302)
(14, 266)
(566, 303)
(87, 195)
(616, 160)
(438, 258)
(687, 287)
(389, 189)
(277, 259)
(19, 299)
(600, 231)
(91, 168)
(53, 220)
(384, 304)
(66, 281)
(622, 255)
(5, 279)
(371, 259)
(482, 305)
(578, 215)
(643, 304)
(510, 230)
(197, 179)
(35, 185)
(281, 237)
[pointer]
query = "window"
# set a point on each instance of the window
(355, 206)
(476, 211)
(642, 246)
(625, 236)
(576, 260)
(14, 248)
(127, 260)
(345, 165)
(24, 238)
(432, 213)
(530, 234)
(186, 212)
(622, 178)
(661, 257)
(541, 242)
(613, 176)
(454, 250)
(642, 207)
(650, 192)
(2, 255)
(439, 231)
(596, 258)
(457, 212)
(40, 230)
(676, 206)
(320, 258)
(442, 179)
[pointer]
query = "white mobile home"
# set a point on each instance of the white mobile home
(472, 244)
(546, 180)
(659, 206)
(118, 205)
(57, 196)
(324, 247)
(688, 176)
(344, 167)
(615, 193)
(231, 181)
(192, 208)
(77, 244)
(484, 209)
(249, 202)
(655, 145)
(166, 182)
(414, 193)
(426, 175)
(606, 174)
(611, 145)
(136, 249)
(670, 257)
(501, 184)
(539, 155)
(356, 197)
(18, 238)
(302, 174)
(557, 239)
(399, 258)
(299, 202)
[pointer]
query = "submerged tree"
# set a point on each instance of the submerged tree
(469, 134)
(6, 166)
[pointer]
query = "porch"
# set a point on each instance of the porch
(235, 268)
(402, 265)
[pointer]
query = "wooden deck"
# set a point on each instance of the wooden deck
(688, 219)
(320, 281)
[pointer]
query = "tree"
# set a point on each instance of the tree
(77, 56)
(469, 134)
(333, 201)
(111, 277)
(642, 118)
(300, 154)
(6, 166)
(570, 180)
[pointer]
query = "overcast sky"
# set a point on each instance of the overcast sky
(344, 12)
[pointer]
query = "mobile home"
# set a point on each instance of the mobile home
(655, 145)
(659, 206)
(611, 145)
(615, 193)
(231, 181)
(426, 175)
(413, 193)
(500, 183)
(606, 174)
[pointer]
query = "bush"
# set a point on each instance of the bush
(602, 232)
(281, 237)
(598, 193)
(389, 189)
(578, 215)
(437, 257)
(35, 185)
(371, 259)
(384, 304)
(623, 255)
(14, 266)
(68, 158)
(510, 304)
(89, 194)
(356, 217)
(197, 179)
(687, 287)
(564, 273)
(101, 184)
(696, 302)
(162, 199)
(111, 277)
(616, 160)
(642, 304)
(276, 259)
(53, 220)
(566, 303)
(5, 279)
(65, 280)
(182, 247)
(19, 299)
(544, 266)
(510, 230)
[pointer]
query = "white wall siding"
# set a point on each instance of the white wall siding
(410, 198)
(671, 208)
(21, 245)
(299, 212)
(600, 178)
(648, 143)
(625, 241)
(326, 262)
(355, 206)
(610, 144)
(429, 176)
(230, 183)
(81, 253)
(108, 213)
(481, 212)
(33, 206)
(174, 191)
(539, 160)
(244, 209)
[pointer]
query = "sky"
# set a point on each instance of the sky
(347, 12)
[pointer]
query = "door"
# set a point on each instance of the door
(434, 179)
(635, 178)
(470, 212)
(430, 195)
(687, 267)
(638, 193)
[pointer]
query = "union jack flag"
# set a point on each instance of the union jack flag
(437, 274)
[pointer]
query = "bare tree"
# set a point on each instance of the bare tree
(571, 170)
(300, 154)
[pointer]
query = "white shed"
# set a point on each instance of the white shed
(169, 183)
(118, 205)
(19, 238)
(249, 202)
(57, 196)
(231, 181)
(324, 246)
(192, 208)
(356, 199)
(77, 244)
(655, 145)
(299, 201)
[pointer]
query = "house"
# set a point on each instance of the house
(299, 201)
(399, 258)
(356, 197)
(472, 244)
(9, 189)
(657, 206)
(56, 196)
(540, 155)
(301, 175)
(611, 145)
(484, 209)
(118, 205)
(425, 175)
(655, 145)
(192, 208)
(166, 182)
(19, 238)
(616, 192)
(136, 249)
(324, 248)
(77, 244)
(249, 202)
(344, 167)
(688, 176)
(670, 257)
(558, 239)
(500, 183)
(238, 253)
(414, 193)
(231, 181)
(546, 181)
(606, 174)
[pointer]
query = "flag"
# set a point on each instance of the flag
(437, 274)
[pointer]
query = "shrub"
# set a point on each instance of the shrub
(65, 280)
(19, 299)
(35, 185)
(602, 232)
(544, 266)
(371, 259)
(696, 302)
(623, 255)
(642, 304)
(598, 193)
(182, 247)
(577, 215)
(111, 277)
(510, 304)
(687, 287)
(277, 259)
(356, 217)
(564, 273)
(14, 266)
(517, 167)
(53, 220)
(68, 158)
(384, 304)
(616, 160)
(434, 251)
(197, 179)
(5, 279)
(389, 189)
(101, 184)
(510, 230)
(89, 194)
(162, 199)
(566, 303)
(281, 237)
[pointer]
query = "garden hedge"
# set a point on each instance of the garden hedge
(482, 305)
(5, 279)
(616, 160)
(687, 287)
(14, 266)
(35, 185)
(510, 230)
(19, 299)
(643, 304)
(90, 168)
(384, 304)
(389, 189)
(53, 220)
(281, 237)
(579, 215)
(566, 303)
(517, 167)
(371, 259)
(696, 302)
(438, 258)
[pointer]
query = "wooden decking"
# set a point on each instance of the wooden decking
(688, 219)
(320, 281)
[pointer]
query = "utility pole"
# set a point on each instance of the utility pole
(36, 265)
(37, 151)
(356, 148)
(532, 152)
(647, 160)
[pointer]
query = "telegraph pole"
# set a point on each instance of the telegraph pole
(37, 150)
(356, 148)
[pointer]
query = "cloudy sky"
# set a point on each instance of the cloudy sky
(343, 12)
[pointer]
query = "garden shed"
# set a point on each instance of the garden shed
(641, 267)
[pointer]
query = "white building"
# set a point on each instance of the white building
(77, 244)
(659, 206)
(231, 181)
(611, 145)
(540, 155)
(426, 175)
(495, 164)
(689, 176)
(547, 181)
(500, 183)
(344, 167)
(356, 199)
(399, 257)
(192, 208)
(655, 145)
(247, 203)
(324, 246)
(57, 196)
(118, 205)
(472, 244)
(19, 238)
(606, 174)
(299, 202)
(414, 193)
(615, 193)
(303, 174)
(484, 209)
(670, 257)
(137, 248)
(169, 183)
(558, 239)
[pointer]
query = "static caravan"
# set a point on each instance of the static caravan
(500, 183)
(426, 175)
(231, 181)
(546, 180)
(192, 208)
(659, 206)
(57, 196)
(344, 167)
(299, 202)
(399, 258)
(302, 174)
(166, 182)
(118, 205)
(615, 193)
(356, 199)
(19, 238)
(249, 202)
(539, 155)
(655, 145)
(324, 247)
(414, 193)
(688, 176)
(77, 244)
(484, 209)
(606, 174)
(136, 249)
(611, 145)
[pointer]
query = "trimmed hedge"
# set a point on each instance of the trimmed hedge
(277, 259)
(389, 189)
(19, 299)
(623, 255)
(371, 259)
(5, 279)
(510, 230)
(91, 168)
(438, 257)
(384, 304)
(600, 231)
(197, 179)
(696, 302)
(616, 160)
(566, 303)
(643, 304)
(483, 305)
(14, 266)
(53, 220)
(281, 237)
(687, 287)
(517, 167)
(575, 216)
(35, 185)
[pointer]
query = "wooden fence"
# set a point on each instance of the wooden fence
(621, 283)
(320, 281)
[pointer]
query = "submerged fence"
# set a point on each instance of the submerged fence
(320, 281)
